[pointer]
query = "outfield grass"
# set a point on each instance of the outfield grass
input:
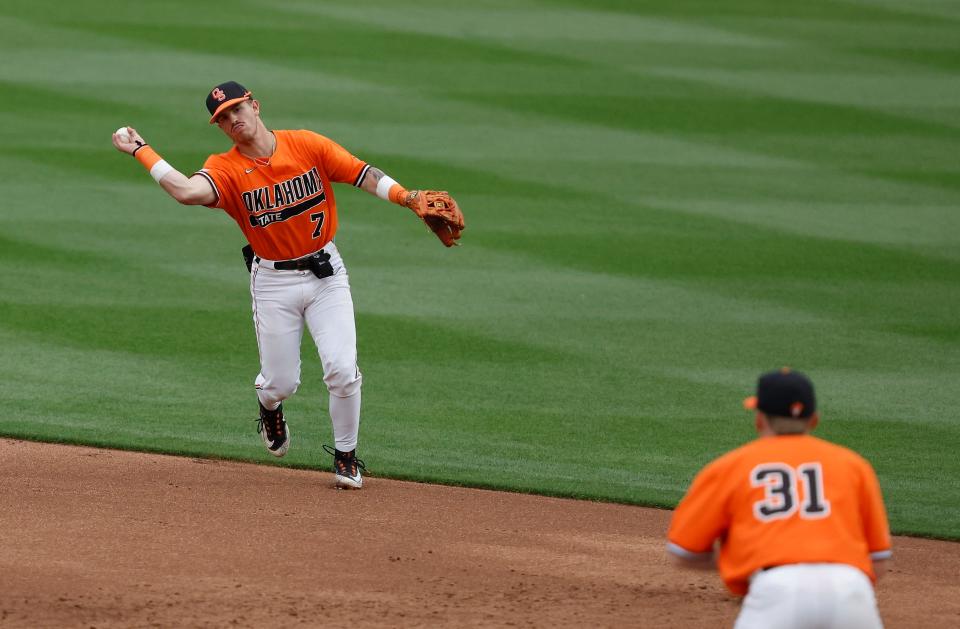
(663, 200)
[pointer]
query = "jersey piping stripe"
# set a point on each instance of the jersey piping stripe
(256, 319)
(680, 551)
(212, 184)
(363, 173)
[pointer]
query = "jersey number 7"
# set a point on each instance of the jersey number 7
(318, 218)
(781, 500)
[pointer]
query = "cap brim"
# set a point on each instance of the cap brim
(750, 403)
(228, 103)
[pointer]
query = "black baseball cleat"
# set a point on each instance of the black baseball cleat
(273, 430)
(346, 469)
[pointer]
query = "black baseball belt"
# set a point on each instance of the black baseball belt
(317, 263)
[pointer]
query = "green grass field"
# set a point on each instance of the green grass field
(663, 200)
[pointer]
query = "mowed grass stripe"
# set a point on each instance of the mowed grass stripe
(874, 223)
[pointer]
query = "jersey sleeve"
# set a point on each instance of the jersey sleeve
(217, 179)
(874, 516)
(340, 164)
(701, 517)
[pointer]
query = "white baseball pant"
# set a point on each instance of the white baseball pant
(808, 596)
(282, 302)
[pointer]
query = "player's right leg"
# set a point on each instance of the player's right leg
(807, 596)
(856, 601)
(278, 322)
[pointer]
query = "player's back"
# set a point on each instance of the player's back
(797, 499)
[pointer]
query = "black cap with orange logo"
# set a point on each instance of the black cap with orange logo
(783, 393)
(223, 96)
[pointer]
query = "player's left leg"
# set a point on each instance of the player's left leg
(771, 601)
(331, 323)
(330, 318)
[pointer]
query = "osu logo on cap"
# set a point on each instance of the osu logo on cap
(218, 94)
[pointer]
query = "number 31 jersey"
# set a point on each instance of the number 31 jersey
(782, 500)
(285, 205)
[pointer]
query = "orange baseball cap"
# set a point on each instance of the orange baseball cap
(223, 96)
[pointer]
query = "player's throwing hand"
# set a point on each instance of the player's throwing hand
(129, 142)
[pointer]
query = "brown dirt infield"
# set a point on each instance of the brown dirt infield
(104, 538)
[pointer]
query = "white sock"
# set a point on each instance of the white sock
(345, 415)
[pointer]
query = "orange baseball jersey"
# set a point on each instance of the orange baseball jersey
(783, 499)
(284, 205)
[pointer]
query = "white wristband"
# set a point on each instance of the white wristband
(160, 169)
(383, 187)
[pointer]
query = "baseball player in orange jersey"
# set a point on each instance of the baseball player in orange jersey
(798, 523)
(277, 186)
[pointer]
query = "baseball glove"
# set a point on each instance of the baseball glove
(440, 212)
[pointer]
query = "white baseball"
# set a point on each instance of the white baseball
(123, 135)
